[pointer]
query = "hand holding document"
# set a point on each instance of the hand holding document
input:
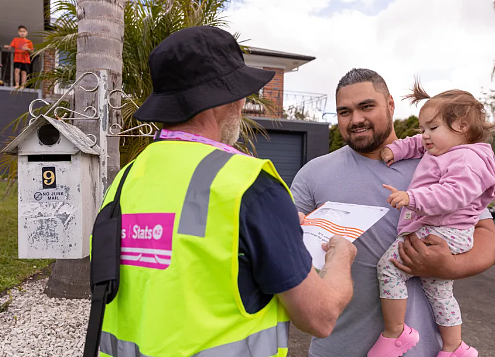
(347, 220)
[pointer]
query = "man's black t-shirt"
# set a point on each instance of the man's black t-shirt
(272, 255)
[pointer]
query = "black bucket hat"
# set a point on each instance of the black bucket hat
(196, 69)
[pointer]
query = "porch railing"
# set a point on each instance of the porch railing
(7, 66)
(289, 105)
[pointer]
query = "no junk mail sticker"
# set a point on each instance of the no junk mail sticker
(49, 180)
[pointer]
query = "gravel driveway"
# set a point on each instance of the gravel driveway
(36, 326)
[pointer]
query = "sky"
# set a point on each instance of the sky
(447, 43)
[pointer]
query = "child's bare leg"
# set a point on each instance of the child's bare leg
(394, 312)
(23, 77)
(17, 75)
(451, 337)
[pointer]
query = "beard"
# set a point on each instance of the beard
(369, 144)
(231, 125)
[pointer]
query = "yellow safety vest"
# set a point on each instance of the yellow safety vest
(178, 294)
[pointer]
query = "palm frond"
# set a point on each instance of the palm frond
(249, 131)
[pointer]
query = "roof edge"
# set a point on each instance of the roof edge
(278, 54)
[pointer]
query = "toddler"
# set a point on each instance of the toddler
(452, 185)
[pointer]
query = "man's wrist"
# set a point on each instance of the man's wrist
(336, 263)
(449, 269)
(337, 257)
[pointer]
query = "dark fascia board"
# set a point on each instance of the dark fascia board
(271, 53)
(46, 15)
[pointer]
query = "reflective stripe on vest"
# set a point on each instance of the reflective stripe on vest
(260, 344)
(195, 209)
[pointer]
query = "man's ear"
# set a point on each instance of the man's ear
(391, 104)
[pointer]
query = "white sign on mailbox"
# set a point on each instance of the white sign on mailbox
(58, 170)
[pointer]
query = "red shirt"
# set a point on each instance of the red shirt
(21, 56)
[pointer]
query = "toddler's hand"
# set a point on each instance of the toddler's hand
(397, 199)
(387, 156)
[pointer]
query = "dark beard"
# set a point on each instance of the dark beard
(369, 145)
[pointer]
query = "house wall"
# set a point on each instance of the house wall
(48, 64)
(13, 105)
(274, 91)
(29, 13)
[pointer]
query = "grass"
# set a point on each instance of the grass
(13, 271)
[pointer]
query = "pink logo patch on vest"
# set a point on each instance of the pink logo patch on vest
(147, 240)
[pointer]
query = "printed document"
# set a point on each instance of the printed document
(333, 218)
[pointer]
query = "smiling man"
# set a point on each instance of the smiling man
(355, 174)
(361, 125)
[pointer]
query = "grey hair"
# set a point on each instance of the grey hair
(360, 75)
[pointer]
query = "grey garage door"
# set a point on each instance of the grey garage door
(285, 150)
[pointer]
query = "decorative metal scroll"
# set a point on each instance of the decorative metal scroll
(124, 95)
(116, 130)
(145, 130)
(80, 116)
(93, 139)
(91, 113)
(56, 108)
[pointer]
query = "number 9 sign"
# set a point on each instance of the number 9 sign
(48, 177)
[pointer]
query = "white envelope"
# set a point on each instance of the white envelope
(333, 218)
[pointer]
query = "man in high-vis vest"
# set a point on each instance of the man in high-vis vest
(212, 262)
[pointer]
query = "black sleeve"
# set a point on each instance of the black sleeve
(271, 237)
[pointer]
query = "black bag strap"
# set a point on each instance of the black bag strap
(101, 290)
(98, 302)
(116, 198)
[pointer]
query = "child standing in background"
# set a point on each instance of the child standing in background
(22, 59)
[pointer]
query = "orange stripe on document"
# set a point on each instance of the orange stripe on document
(337, 230)
(336, 225)
(324, 221)
(334, 232)
(331, 228)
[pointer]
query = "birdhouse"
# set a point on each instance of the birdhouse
(58, 170)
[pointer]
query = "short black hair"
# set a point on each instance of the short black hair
(360, 75)
(22, 27)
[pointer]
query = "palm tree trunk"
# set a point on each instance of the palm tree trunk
(99, 47)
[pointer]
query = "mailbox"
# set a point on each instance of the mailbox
(58, 189)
